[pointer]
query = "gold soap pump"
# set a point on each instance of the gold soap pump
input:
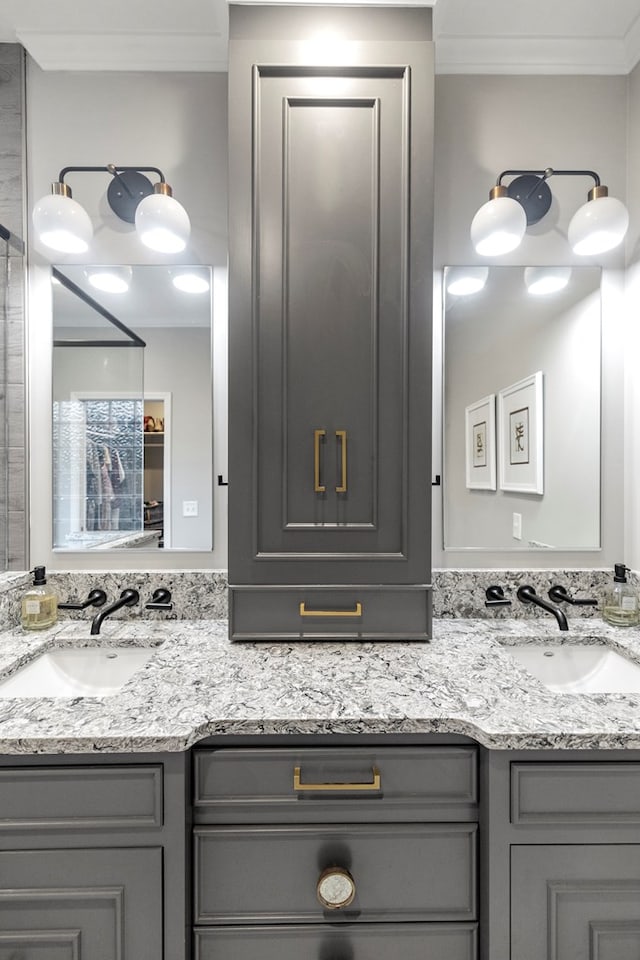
(39, 604)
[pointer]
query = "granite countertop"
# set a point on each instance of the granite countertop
(198, 684)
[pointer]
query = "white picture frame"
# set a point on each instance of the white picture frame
(480, 444)
(521, 435)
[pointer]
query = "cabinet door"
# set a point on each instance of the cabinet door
(575, 902)
(98, 904)
(329, 434)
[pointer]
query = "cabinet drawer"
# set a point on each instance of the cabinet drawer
(381, 941)
(80, 798)
(329, 613)
(257, 786)
(269, 874)
(604, 793)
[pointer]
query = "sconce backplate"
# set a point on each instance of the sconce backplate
(533, 194)
(125, 192)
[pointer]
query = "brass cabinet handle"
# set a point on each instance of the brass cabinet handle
(342, 437)
(317, 486)
(373, 785)
(357, 612)
(335, 888)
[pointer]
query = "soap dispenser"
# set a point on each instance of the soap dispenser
(621, 601)
(39, 604)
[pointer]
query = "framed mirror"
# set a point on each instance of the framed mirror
(132, 408)
(522, 408)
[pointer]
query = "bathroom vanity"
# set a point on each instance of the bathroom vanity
(204, 809)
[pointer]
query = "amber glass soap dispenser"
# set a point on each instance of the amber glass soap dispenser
(621, 601)
(39, 604)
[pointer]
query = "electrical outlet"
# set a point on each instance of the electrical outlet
(189, 508)
(517, 526)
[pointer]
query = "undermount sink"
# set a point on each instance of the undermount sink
(77, 672)
(578, 667)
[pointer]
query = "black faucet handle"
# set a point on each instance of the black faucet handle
(495, 597)
(559, 594)
(160, 600)
(96, 598)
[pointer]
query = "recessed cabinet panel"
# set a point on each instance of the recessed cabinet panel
(575, 902)
(332, 323)
(269, 874)
(80, 798)
(416, 941)
(97, 904)
(575, 793)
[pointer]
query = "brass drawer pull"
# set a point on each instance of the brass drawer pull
(317, 436)
(335, 888)
(342, 437)
(357, 612)
(373, 785)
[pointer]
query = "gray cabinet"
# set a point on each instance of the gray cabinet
(400, 822)
(560, 858)
(92, 858)
(575, 902)
(93, 904)
(330, 298)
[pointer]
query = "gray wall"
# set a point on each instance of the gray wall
(174, 121)
(487, 124)
(13, 518)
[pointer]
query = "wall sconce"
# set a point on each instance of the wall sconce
(465, 281)
(62, 224)
(500, 224)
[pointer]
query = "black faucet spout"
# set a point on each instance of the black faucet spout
(526, 594)
(128, 598)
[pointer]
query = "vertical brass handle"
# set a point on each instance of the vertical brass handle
(342, 437)
(317, 436)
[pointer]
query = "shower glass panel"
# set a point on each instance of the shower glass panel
(98, 417)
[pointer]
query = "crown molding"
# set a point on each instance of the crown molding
(127, 51)
(536, 55)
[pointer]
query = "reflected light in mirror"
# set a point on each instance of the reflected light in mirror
(114, 279)
(190, 282)
(465, 281)
(541, 281)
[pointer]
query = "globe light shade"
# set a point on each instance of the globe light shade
(541, 281)
(161, 222)
(499, 225)
(465, 281)
(61, 223)
(599, 225)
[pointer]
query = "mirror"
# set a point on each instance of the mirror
(521, 421)
(132, 408)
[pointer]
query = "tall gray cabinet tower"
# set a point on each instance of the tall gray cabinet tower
(330, 204)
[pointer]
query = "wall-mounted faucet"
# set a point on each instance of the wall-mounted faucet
(526, 594)
(95, 598)
(160, 600)
(559, 594)
(128, 598)
(495, 597)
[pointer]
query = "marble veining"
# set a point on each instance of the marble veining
(198, 684)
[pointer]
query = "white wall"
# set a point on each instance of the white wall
(487, 124)
(173, 121)
(632, 336)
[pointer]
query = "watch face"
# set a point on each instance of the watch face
(336, 888)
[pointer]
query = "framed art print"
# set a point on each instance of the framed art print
(521, 440)
(480, 444)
